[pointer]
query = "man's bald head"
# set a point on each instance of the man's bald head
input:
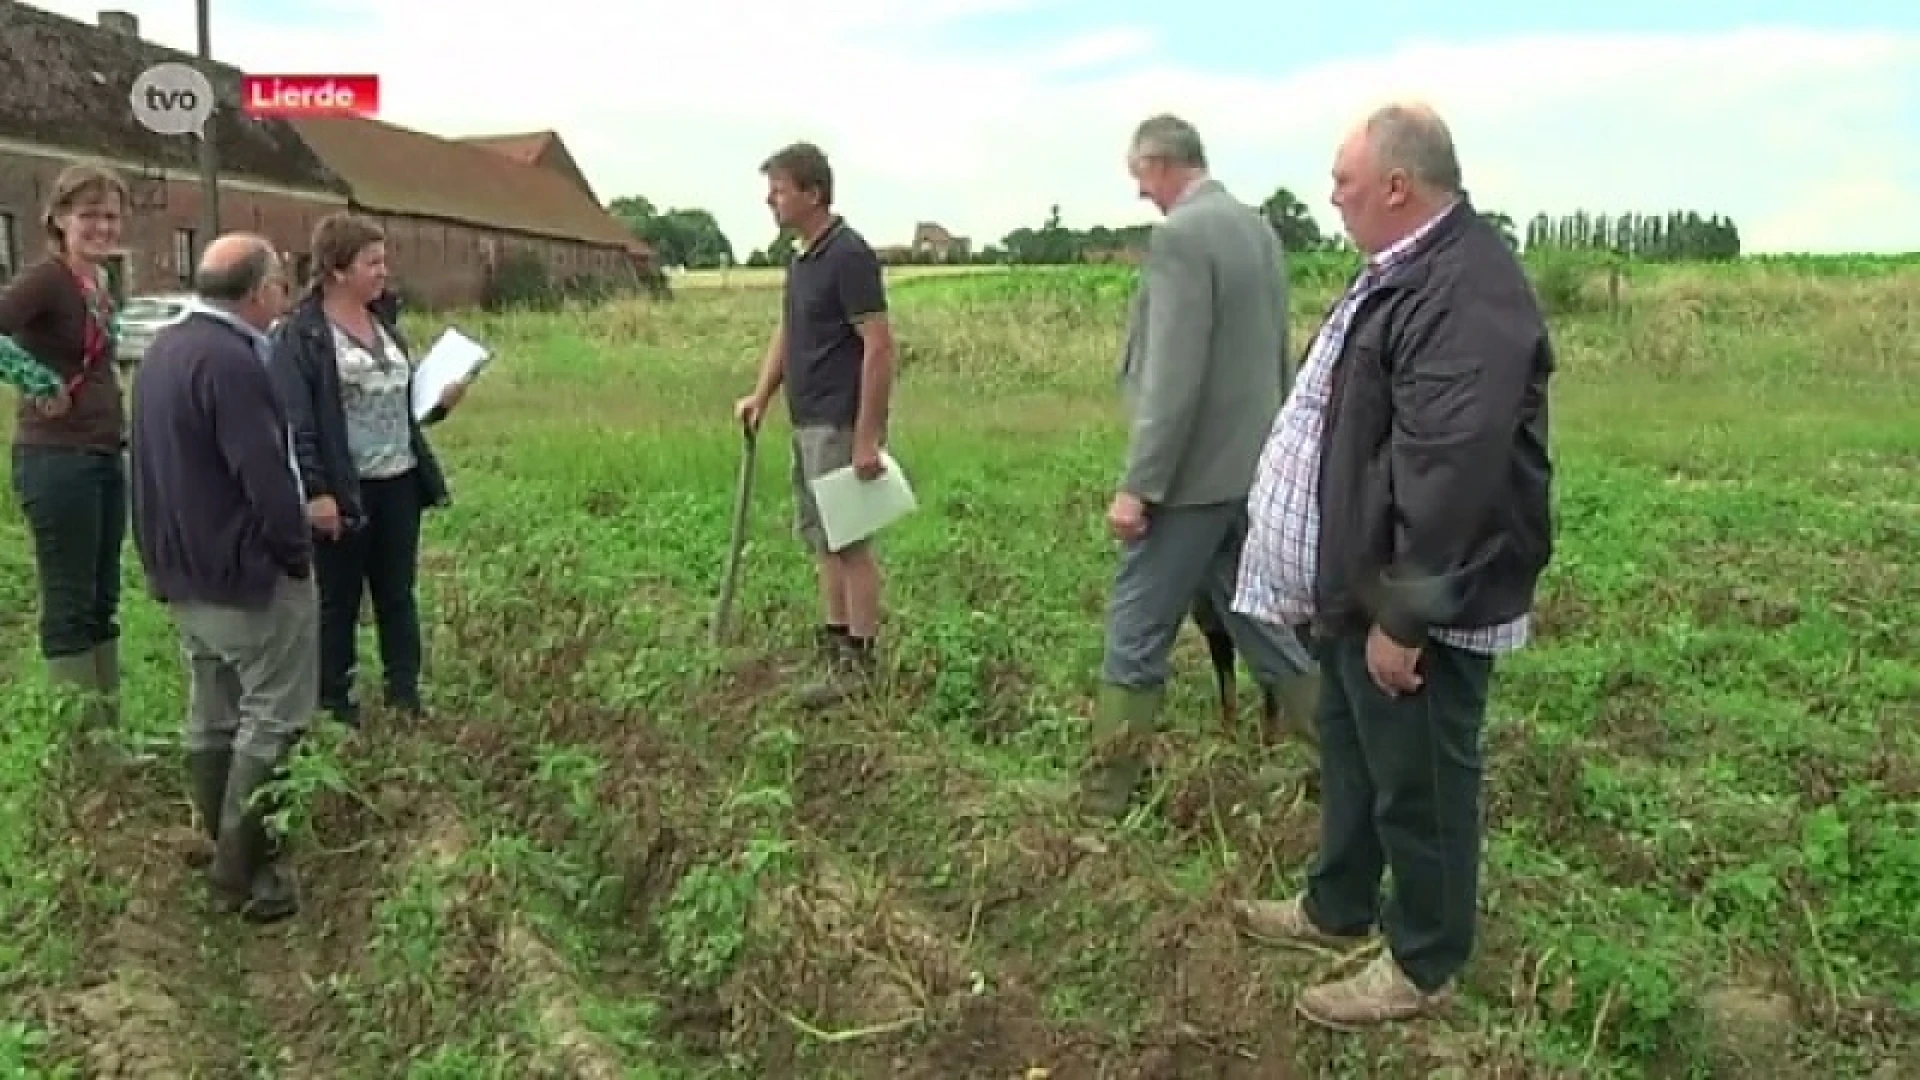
(1395, 171)
(234, 267)
(1411, 137)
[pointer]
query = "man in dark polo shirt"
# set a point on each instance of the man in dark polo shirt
(833, 352)
(221, 526)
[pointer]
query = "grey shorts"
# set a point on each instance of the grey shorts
(817, 450)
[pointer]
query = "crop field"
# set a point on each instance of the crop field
(612, 850)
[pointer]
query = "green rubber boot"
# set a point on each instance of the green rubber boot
(77, 672)
(1293, 705)
(81, 672)
(1124, 719)
(106, 674)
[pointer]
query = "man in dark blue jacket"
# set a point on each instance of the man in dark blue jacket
(220, 523)
(1403, 511)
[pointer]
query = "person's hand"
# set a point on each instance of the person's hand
(55, 405)
(1395, 668)
(1127, 518)
(452, 394)
(866, 460)
(750, 410)
(323, 514)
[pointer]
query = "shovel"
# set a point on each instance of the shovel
(736, 546)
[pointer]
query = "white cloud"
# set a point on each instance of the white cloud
(1803, 136)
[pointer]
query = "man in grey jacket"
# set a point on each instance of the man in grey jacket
(1204, 372)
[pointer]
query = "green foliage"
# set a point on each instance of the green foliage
(1572, 282)
(705, 921)
(521, 281)
(681, 237)
(610, 848)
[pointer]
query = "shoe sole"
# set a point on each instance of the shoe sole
(1307, 1013)
(1321, 943)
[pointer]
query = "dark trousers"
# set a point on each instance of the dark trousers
(1400, 782)
(380, 557)
(75, 503)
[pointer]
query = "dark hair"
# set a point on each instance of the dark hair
(338, 239)
(77, 184)
(235, 281)
(806, 166)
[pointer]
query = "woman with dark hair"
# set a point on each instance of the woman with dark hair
(343, 370)
(69, 440)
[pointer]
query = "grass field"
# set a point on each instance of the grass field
(612, 851)
(770, 277)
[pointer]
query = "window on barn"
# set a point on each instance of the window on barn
(9, 247)
(183, 253)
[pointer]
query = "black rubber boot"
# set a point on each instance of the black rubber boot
(1220, 650)
(207, 784)
(243, 875)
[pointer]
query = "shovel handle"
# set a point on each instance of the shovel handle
(736, 544)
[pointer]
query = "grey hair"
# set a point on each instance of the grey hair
(235, 280)
(1168, 138)
(1414, 138)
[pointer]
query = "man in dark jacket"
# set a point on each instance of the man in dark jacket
(1403, 511)
(221, 527)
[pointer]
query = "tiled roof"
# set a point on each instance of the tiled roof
(525, 148)
(67, 85)
(395, 170)
(542, 148)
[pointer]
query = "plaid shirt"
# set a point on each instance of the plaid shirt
(1277, 569)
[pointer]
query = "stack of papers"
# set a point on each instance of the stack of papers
(455, 357)
(852, 509)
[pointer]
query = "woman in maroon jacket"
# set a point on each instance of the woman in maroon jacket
(69, 466)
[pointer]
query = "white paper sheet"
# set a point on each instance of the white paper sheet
(454, 357)
(853, 509)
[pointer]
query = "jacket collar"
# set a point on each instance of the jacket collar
(310, 317)
(1407, 268)
(1204, 184)
(252, 334)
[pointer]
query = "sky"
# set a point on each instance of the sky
(981, 114)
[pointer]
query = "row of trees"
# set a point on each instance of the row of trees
(692, 238)
(689, 238)
(1678, 235)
